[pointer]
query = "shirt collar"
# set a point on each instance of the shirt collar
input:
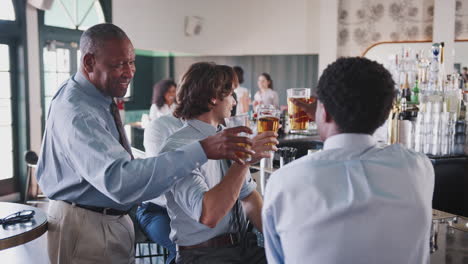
(204, 128)
(88, 88)
(349, 141)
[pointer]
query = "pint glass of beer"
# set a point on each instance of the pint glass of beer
(267, 119)
(240, 120)
(298, 119)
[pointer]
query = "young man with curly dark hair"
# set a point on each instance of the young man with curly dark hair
(353, 202)
(206, 209)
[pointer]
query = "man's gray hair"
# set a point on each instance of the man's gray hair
(95, 37)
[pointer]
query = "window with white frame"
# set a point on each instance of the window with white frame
(6, 127)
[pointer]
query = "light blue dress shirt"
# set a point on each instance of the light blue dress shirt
(82, 160)
(353, 202)
(185, 198)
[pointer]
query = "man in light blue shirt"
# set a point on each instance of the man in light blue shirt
(353, 202)
(207, 221)
(86, 166)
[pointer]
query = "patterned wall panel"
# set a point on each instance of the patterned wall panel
(461, 19)
(362, 23)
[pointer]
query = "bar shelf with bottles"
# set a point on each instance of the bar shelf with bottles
(429, 112)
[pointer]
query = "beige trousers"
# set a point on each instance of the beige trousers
(77, 235)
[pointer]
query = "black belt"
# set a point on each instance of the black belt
(102, 210)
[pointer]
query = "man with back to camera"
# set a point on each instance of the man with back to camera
(86, 166)
(207, 220)
(353, 202)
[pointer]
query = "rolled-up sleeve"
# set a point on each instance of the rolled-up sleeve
(248, 186)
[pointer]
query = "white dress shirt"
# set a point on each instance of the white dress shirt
(156, 112)
(242, 94)
(156, 133)
(353, 202)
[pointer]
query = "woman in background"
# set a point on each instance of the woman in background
(163, 102)
(242, 93)
(265, 95)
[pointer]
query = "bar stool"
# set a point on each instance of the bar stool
(31, 159)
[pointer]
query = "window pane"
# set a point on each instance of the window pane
(50, 83)
(6, 163)
(7, 11)
(95, 15)
(60, 15)
(63, 60)
(74, 13)
(5, 57)
(5, 112)
(50, 60)
(6, 138)
(5, 87)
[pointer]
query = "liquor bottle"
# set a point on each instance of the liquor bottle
(392, 124)
(405, 126)
(415, 93)
(405, 89)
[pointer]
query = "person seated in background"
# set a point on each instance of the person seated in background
(163, 101)
(152, 215)
(352, 202)
(242, 93)
(265, 95)
(206, 209)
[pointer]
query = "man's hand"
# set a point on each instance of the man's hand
(263, 143)
(309, 108)
(225, 144)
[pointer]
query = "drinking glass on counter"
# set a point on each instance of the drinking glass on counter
(240, 120)
(298, 119)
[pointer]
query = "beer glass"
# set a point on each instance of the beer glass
(298, 119)
(267, 119)
(240, 120)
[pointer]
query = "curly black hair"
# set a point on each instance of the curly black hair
(203, 82)
(358, 94)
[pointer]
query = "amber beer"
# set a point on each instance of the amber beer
(298, 119)
(268, 120)
(243, 155)
(267, 123)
